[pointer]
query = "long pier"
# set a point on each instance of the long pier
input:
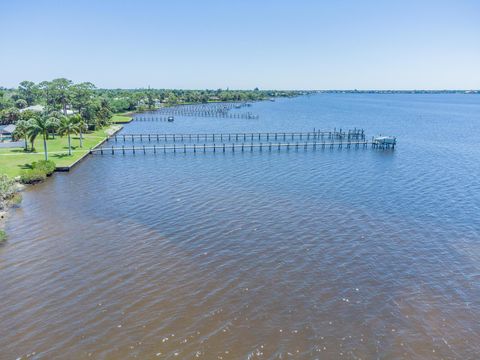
(219, 110)
(242, 147)
(355, 134)
(224, 115)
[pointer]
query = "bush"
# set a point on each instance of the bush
(3, 236)
(32, 176)
(47, 166)
(7, 188)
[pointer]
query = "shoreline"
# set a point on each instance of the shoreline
(10, 203)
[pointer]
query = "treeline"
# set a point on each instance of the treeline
(30, 101)
(94, 104)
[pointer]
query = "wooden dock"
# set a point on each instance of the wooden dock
(242, 147)
(218, 110)
(247, 115)
(354, 134)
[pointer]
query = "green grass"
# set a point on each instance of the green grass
(14, 160)
(121, 119)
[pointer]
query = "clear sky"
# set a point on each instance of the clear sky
(282, 44)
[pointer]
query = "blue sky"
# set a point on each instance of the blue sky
(296, 44)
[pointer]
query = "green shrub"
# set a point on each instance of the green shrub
(7, 187)
(32, 176)
(3, 236)
(47, 166)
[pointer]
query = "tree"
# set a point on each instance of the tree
(46, 91)
(81, 126)
(61, 92)
(81, 95)
(21, 104)
(150, 100)
(10, 115)
(40, 125)
(21, 131)
(67, 127)
(103, 114)
(28, 91)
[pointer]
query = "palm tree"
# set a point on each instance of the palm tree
(55, 117)
(67, 127)
(41, 125)
(77, 119)
(21, 131)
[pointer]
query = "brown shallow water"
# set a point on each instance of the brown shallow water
(274, 255)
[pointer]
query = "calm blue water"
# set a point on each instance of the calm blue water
(299, 254)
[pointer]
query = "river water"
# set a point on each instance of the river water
(353, 254)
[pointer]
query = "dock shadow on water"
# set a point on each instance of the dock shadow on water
(258, 255)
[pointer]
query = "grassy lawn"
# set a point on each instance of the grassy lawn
(13, 160)
(121, 119)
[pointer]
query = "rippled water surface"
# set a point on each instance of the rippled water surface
(354, 254)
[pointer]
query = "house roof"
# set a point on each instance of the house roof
(37, 108)
(8, 129)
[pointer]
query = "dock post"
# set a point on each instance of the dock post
(184, 148)
(223, 147)
(134, 149)
(174, 149)
(194, 148)
(113, 151)
(144, 149)
(243, 146)
(154, 149)
(101, 150)
(123, 149)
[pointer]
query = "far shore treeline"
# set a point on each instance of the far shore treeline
(89, 101)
